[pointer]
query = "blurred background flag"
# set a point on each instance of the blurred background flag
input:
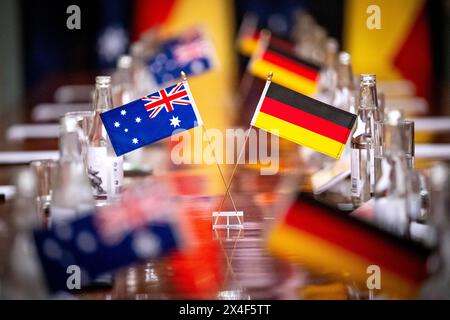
(303, 120)
(149, 14)
(197, 268)
(191, 52)
(113, 34)
(331, 242)
(216, 17)
(248, 35)
(79, 241)
(289, 70)
(247, 42)
(151, 118)
(136, 228)
(174, 17)
(400, 49)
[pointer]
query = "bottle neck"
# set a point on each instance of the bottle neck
(345, 76)
(368, 107)
(330, 58)
(126, 77)
(369, 130)
(368, 96)
(365, 116)
(102, 98)
(97, 134)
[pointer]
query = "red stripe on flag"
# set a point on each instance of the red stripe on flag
(360, 242)
(414, 57)
(291, 65)
(305, 120)
(149, 14)
(255, 35)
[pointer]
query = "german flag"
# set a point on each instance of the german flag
(248, 43)
(303, 120)
(406, 52)
(331, 242)
(289, 70)
(248, 35)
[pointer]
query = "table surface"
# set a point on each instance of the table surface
(246, 268)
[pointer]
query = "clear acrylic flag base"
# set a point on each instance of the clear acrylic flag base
(228, 220)
(228, 234)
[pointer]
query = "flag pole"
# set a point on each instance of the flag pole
(247, 79)
(269, 78)
(205, 130)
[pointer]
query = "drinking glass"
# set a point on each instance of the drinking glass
(84, 120)
(45, 172)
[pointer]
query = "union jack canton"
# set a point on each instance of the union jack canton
(191, 52)
(151, 118)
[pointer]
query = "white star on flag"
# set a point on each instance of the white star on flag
(123, 112)
(197, 67)
(175, 122)
(112, 43)
(135, 141)
(116, 124)
(138, 120)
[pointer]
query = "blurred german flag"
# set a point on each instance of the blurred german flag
(399, 49)
(331, 243)
(213, 91)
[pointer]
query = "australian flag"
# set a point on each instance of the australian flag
(151, 118)
(133, 230)
(191, 52)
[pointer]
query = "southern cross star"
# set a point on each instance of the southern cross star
(175, 122)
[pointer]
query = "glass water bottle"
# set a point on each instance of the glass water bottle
(23, 276)
(391, 203)
(344, 96)
(360, 174)
(368, 107)
(72, 195)
(328, 75)
(123, 88)
(364, 143)
(125, 91)
(105, 169)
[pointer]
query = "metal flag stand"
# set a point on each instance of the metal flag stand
(228, 214)
(236, 213)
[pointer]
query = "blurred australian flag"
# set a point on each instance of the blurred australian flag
(190, 52)
(133, 230)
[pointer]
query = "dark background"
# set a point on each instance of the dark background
(48, 54)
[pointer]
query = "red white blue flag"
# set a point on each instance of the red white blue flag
(151, 118)
(191, 52)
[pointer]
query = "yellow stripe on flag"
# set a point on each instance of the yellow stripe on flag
(299, 135)
(248, 46)
(328, 259)
(212, 89)
(373, 50)
(283, 77)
